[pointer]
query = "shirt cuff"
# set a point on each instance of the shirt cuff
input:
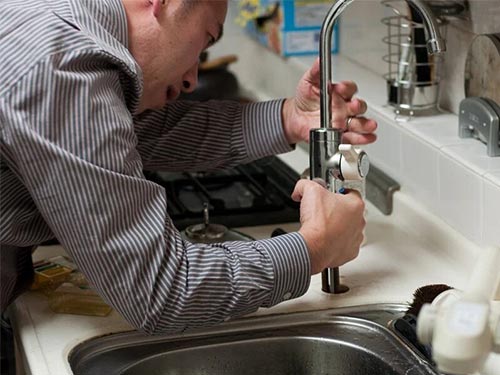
(263, 129)
(291, 264)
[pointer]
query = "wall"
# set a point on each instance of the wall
(362, 33)
(454, 179)
(450, 176)
(361, 40)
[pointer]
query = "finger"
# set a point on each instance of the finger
(358, 139)
(362, 125)
(298, 191)
(339, 111)
(303, 184)
(356, 107)
(357, 241)
(338, 108)
(352, 193)
(344, 118)
(313, 74)
(346, 89)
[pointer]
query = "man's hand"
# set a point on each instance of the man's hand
(331, 224)
(302, 113)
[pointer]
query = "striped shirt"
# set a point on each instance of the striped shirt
(72, 156)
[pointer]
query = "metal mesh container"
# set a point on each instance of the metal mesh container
(413, 75)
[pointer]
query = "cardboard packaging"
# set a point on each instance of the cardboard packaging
(288, 27)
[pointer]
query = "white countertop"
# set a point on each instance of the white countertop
(404, 251)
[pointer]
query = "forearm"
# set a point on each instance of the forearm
(231, 279)
(116, 229)
(139, 263)
(188, 136)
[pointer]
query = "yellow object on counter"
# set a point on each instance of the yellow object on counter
(69, 298)
(67, 289)
(49, 274)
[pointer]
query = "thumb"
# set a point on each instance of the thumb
(303, 184)
(313, 74)
(298, 191)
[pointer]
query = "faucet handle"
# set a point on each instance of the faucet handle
(354, 163)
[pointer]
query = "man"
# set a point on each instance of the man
(88, 101)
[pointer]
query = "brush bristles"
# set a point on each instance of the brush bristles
(426, 294)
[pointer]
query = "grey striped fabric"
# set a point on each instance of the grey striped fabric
(72, 156)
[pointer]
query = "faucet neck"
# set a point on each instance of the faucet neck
(435, 44)
(325, 58)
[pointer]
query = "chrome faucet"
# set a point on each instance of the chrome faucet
(330, 160)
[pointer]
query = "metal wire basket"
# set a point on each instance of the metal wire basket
(413, 75)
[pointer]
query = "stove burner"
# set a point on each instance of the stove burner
(257, 193)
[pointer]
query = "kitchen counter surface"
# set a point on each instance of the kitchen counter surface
(403, 252)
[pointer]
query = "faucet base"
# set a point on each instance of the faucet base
(330, 281)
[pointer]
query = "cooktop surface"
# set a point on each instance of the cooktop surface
(253, 194)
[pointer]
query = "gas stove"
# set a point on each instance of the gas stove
(248, 195)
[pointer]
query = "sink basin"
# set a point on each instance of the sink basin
(341, 341)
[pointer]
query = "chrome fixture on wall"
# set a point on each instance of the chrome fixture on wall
(330, 160)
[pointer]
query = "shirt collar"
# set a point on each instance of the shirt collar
(106, 22)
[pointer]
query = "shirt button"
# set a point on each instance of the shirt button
(286, 296)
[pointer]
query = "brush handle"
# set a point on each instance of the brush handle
(492, 365)
(485, 276)
(464, 331)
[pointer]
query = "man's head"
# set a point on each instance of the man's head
(166, 38)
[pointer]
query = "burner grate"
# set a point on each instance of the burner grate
(253, 194)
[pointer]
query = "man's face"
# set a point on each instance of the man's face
(172, 38)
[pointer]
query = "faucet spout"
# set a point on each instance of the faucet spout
(325, 142)
(435, 43)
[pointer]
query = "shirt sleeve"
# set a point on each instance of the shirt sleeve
(72, 143)
(188, 135)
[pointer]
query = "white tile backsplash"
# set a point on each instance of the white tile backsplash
(472, 153)
(460, 197)
(493, 177)
(457, 182)
(386, 151)
(491, 204)
(440, 130)
(419, 162)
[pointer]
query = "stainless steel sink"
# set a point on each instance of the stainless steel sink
(341, 341)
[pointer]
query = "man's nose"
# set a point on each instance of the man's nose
(190, 79)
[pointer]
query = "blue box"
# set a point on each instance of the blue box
(288, 27)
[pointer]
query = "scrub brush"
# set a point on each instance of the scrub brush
(425, 294)
(406, 326)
